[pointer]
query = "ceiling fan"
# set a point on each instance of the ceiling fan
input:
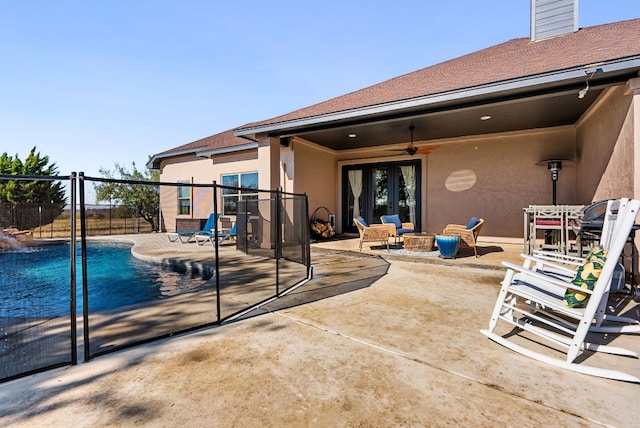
(411, 149)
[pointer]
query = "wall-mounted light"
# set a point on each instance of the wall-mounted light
(353, 135)
(485, 117)
(590, 72)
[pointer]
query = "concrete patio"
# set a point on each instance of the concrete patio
(375, 339)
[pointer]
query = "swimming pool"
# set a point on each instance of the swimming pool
(34, 281)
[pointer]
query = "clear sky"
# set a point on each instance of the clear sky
(92, 83)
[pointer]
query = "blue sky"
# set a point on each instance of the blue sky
(95, 83)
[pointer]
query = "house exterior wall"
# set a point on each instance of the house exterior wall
(605, 148)
(495, 177)
(491, 176)
(315, 175)
(201, 171)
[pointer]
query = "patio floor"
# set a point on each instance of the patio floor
(375, 339)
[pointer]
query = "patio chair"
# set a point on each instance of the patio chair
(396, 227)
(185, 236)
(223, 234)
(524, 288)
(468, 233)
(566, 267)
(372, 233)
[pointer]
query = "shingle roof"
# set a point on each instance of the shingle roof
(517, 58)
(218, 141)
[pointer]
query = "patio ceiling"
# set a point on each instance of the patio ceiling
(514, 115)
(518, 109)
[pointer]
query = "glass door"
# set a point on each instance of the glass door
(373, 190)
(380, 189)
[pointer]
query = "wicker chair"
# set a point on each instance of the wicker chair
(468, 235)
(373, 233)
(396, 227)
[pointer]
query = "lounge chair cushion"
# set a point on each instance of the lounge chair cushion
(394, 218)
(473, 222)
(586, 276)
(362, 221)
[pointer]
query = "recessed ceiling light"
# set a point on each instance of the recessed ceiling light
(487, 117)
(352, 135)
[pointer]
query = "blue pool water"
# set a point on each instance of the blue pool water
(34, 281)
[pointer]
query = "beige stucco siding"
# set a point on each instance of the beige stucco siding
(495, 177)
(201, 171)
(315, 174)
(605, 140)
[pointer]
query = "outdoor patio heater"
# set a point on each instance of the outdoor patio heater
(554, 165)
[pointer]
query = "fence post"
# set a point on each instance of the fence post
(278, 237)
(85, 287)
(216, 250)
(72, 271)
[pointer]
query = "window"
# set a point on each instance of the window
(184, 198)
(245, 187)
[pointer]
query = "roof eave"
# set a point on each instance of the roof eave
(231, 149)
(154, 162)
(521, 84)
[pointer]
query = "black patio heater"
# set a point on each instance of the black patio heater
(554, 165)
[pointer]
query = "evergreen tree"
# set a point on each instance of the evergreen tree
(21, 201)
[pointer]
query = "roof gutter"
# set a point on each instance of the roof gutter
(232, 149)
(519, 84)
(154, 162)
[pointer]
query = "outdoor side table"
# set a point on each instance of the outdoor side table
(448, 245)
(418, 241)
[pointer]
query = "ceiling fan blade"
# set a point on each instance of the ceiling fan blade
(426, 150)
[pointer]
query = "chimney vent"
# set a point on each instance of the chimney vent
(550, 18)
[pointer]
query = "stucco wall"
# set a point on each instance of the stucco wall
(204, 171)
(605, 149)
(495, 177)
(315, 174)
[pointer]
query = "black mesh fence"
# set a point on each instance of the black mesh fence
(218, 251)
(142, 271)
(37, 282)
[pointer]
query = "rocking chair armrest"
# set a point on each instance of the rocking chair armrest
(541, 276)
(542, 263)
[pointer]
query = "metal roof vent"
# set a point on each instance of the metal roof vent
(550, 18)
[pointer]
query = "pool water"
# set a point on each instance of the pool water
(34, 281)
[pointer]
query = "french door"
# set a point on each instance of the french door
(373, 190)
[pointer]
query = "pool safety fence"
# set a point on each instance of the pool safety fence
(146, 265)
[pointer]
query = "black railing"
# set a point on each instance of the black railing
(139, 286)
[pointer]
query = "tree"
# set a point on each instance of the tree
(26, 197)
(143, 199)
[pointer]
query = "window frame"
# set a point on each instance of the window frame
(180, 197)
(243, 192)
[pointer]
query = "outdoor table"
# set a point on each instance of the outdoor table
(418, 241)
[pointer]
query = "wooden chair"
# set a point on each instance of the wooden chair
(468, 233)
(535, 302)
(373, 233)
(566, 267)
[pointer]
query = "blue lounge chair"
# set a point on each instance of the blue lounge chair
(204, 237)
(185, 236)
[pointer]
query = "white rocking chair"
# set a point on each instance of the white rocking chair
(523, 289)
(565, 267)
